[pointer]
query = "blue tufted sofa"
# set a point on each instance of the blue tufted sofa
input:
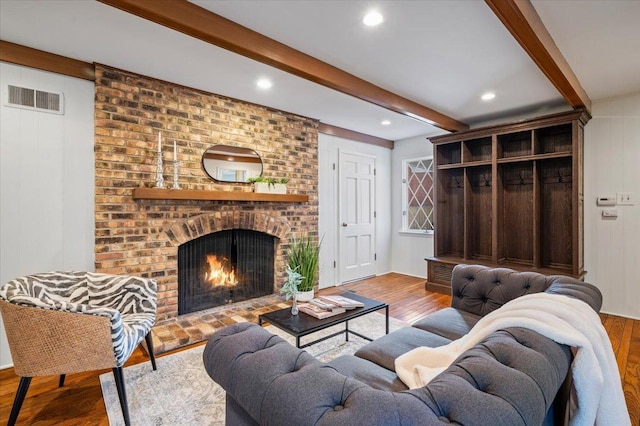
(513, 377)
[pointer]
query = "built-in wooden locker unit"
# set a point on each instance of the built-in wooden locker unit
(510, 196)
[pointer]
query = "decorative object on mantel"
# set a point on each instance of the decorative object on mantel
(175, 167)
(269, 185)
(290, 288)
(224, 163)
(303, 256)
(159, 176)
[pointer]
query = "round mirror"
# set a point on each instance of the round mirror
(231, 164)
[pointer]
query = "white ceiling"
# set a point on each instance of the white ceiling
(442, 54)
(600, 40)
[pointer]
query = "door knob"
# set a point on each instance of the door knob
(344, 223)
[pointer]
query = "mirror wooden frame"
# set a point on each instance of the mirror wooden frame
(231, 164)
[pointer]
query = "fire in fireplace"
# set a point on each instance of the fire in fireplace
(221, 272)
(224, 267)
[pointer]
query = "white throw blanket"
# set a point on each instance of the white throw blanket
(597, 396)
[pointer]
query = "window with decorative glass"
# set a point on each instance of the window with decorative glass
(417, 203)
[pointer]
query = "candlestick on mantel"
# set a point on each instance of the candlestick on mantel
(175, 175)
(159, 176)
(175, 167)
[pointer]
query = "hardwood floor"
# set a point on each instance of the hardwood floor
(624, 334)
(80, 402)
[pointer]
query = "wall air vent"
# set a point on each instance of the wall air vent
(37, 100)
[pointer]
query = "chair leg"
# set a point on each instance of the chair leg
(19, 399)
(122, 394)
(61, 382)
(147, 338)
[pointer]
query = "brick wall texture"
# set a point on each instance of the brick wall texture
(140, 237)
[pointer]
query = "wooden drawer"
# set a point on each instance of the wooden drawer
(440, 273)
(439, 276)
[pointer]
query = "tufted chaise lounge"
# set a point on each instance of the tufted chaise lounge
(67, 322)
(514, 376)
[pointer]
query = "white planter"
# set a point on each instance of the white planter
(265, 188)
(305, 296)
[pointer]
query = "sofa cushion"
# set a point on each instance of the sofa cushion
(367, 372)
(586, 292)
(449, 322)
(479, 290)
(513, 375)
(385, 350)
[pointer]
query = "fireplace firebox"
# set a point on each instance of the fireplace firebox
(224, 267)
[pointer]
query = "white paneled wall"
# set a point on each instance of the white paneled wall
(612, 164)
(329, 221)
(408, 250)
(46, 181)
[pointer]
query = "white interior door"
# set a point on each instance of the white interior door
(357, 216)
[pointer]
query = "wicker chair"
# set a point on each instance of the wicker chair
(67, 322)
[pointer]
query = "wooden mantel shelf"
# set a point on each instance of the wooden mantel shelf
(191, 194)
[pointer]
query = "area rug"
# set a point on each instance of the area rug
(180, 392)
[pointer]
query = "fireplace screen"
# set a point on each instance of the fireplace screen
(224, 267)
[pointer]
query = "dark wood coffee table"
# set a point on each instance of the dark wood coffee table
(302, 324)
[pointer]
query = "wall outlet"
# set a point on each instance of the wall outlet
(625, 198)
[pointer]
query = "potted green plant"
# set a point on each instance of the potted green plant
(303, 256)
(269, 185)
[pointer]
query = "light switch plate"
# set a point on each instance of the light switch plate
(625, 198)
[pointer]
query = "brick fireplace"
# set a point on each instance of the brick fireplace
(194, 228)
(141, 237)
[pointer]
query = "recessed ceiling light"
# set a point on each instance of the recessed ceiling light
(385, 122)
(263, 83)
(372, 18)
(488, 96)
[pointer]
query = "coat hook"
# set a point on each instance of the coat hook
(521, 177)
(559, 177)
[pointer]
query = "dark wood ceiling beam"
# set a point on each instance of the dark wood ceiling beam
(525, 25)
(200, 23)
(39, 59)
(341, 132)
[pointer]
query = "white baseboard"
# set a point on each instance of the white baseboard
(620, 315)
(404, 273)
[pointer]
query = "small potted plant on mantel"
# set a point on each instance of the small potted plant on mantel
(303, 257)
(269, 185)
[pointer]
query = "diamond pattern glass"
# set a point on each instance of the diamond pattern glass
(419, 208)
